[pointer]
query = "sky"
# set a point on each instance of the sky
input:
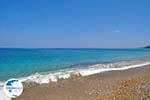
(74, 23)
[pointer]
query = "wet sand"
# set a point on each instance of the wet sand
(113, 85)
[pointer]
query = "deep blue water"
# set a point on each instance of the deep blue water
(24, 62)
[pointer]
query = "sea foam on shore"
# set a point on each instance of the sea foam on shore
(42, 78)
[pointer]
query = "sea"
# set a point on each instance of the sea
(44, 65)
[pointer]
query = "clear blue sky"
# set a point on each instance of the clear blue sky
(74, 23)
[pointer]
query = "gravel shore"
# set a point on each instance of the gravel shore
(130, 84)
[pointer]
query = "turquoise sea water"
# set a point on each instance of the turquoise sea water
(15, 63)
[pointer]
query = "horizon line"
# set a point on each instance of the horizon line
(69, 48)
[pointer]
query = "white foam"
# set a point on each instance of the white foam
(87, 72)
(3, 96)
(64, 74)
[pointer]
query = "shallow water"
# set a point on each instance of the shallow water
(16, 63)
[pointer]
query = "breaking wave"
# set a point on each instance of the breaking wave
(42, 78)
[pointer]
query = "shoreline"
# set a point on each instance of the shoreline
(90, 87)
(54, 76)
(47, 77)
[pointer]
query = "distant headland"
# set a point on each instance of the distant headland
(147, 46)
